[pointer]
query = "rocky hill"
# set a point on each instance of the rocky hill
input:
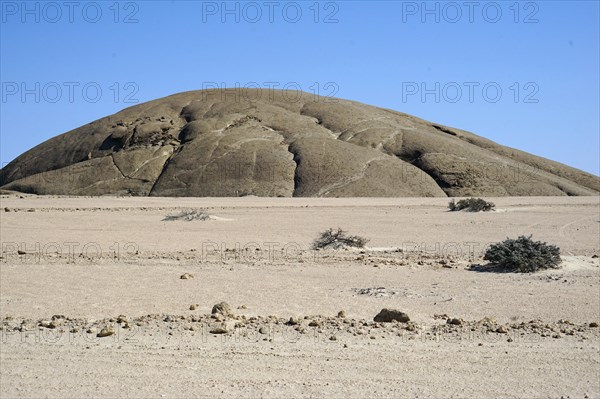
(278, 143)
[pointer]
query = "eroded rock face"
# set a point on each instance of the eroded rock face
(277, 143)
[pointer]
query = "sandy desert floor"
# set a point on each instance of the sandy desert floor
(73, 267)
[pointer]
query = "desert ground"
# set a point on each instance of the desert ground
(300, 322)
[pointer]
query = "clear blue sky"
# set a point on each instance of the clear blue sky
(543, 56)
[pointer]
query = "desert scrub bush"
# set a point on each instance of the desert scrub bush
(471, 205)
(188, 215)
(337, 239)
(523, 255)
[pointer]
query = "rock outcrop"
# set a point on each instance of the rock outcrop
(278, 143)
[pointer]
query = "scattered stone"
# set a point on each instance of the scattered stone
(488, 320)
(106, 332)
(53, 324)
(222, 308)
(389, 315)
(218, 317)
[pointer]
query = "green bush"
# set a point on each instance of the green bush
(523, 255)
(337, 239)
(471, 205)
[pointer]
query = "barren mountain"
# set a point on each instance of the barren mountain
(281, 143)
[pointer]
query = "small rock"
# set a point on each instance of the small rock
(106, 332)
(293, 321)
(217, 317)
(222, 308)
(593, 324)
(501, 330)
(341, 314)
(194, 306)
(389, 315)
(6, 209)
(219, 330)
(454, 321)
(263, 330)
(333, 338)
(21, 252)
(186, 276)
(313, 323)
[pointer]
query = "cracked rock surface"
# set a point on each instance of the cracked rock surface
(281, 144)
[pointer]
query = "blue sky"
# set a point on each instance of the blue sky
(524, 74)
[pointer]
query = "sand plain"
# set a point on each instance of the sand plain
(95, 262)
